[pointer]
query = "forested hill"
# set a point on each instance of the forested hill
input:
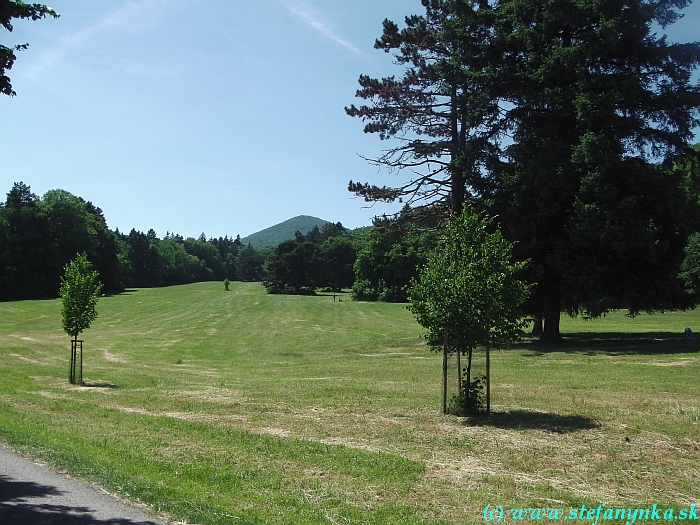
(283, 231)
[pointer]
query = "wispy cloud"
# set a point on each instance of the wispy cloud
(305, 14)
(135, 16)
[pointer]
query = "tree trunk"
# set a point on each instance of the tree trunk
(551, 334)
(470, 353)
(73, 360)
(537, 325)
(456, 176)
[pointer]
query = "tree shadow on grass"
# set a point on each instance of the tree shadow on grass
(128, 291)
(530, 420)
(99, 385)
(612, 343)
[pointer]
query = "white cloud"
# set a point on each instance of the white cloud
(134, 17)
(305, 14)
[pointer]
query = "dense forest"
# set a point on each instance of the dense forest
(323, 258)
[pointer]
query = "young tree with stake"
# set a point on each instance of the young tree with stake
(468, 294)
(79, 293)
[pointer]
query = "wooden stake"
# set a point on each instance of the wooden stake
(459, 371)
(488, 379)
(444, 375)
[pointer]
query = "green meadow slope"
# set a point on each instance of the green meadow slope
(243, 407)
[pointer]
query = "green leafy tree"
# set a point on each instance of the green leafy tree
(387, 261)
(25, 272)
(468, 294)
(9, 10)
(330, 230)
(228, 250)
(690, 269)
(79, 293)
(41, 235)
(176, 265)
(77, 226)
(293, 267)
(145, 261)
(209, 254)
(337, 257)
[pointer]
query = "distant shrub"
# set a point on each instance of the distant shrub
(362, 290)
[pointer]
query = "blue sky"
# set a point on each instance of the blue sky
(223, 117)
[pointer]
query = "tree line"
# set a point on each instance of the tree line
(39, 236)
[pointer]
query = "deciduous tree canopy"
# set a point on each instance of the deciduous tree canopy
(9, 10)
(79, 293)
(323, 258)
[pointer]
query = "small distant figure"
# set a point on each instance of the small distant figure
(689, 339)
(226, 284)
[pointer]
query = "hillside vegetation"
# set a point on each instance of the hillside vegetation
(243, 407)
(283, 231)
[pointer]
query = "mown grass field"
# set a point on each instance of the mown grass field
(242, 407)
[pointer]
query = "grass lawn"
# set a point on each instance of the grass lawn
(241, 407)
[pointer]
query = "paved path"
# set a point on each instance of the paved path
(31, 494)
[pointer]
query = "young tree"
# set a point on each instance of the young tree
(79, 293)
(10, 9)
(468, 294)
